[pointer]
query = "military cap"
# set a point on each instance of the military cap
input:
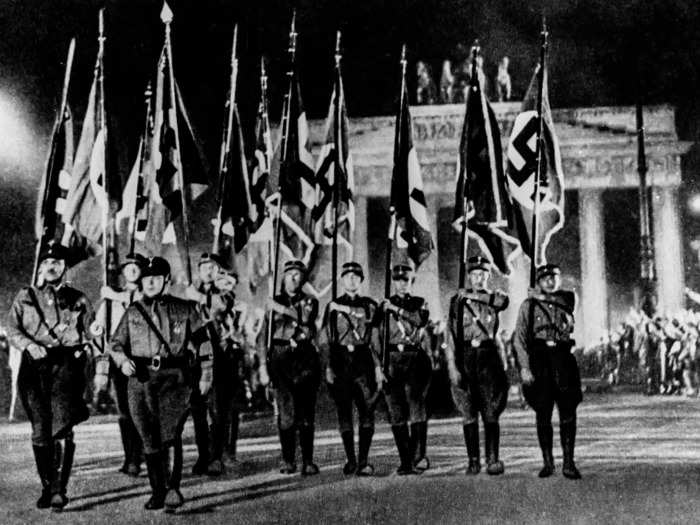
(295, 264)
(353, 267)
(478, 263)
(547, 269)
(155, 266)
(134, 258)
(402, 271)
(210, 258)
(53, 250)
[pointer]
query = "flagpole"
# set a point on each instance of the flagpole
(538, 154)
(283, 159)
(393, 226)
(51, 159)
(337, 168)
(464, 241)
(226, 140)
(167, 18)
(147, 133)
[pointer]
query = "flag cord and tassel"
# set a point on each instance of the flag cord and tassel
(464, 239)
(393, 225)
(148, 130)
(538, 156)
(283, 159)
(226, 140)
(51, 159)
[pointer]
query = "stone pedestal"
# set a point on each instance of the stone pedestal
(668, 251)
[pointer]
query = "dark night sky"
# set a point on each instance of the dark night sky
(599, 50)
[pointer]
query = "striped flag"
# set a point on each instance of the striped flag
(53, 191)
(334, 172)
(90, 198)
(481, 183)
(407, 196)
(522, 166)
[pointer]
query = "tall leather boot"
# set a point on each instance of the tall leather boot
(201, 439)
(545, 437)
(134, 468)
(363, 467)
(401, 437)
(306, 440)
(43, 456)
(155, 466)
(492, 434)
(233, 436)
(567, 432)
(349, 446)
(471, 440)
(65, 452)
(126, 443)
(173, 458)
(420, 460)
(288, 438)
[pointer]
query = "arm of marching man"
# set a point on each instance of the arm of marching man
(202, 346)
(16, 332)
(451, 340)
(119, 348)
(521, 339)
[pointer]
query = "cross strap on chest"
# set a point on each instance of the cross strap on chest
(149, 321)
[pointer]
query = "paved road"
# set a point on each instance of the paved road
(640, 458)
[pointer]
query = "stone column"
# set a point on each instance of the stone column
(668, 248)
(594, 292)
(428, 277)
(360, 240)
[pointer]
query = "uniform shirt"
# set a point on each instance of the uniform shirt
(406, 328)
(485, 305)
(553, 320)
(119, 302)
(67, 312)
(177, 320)
(300, 326)
(353, 327)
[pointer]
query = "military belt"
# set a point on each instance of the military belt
(158, 362)
(553, 344)
(403, 348)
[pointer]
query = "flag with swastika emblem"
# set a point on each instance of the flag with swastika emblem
(521, 170)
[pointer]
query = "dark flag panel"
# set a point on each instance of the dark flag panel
(407, 198)
(481, 182)
(522, 166)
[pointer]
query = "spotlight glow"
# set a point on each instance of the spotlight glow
(16, 140)
(694, 204)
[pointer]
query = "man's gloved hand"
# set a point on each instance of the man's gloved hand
(330, 376)
(36, 351)
(455, 376)
(264, 377)
(128, 368)
(379, 377)
(526, 376)
(100, 382)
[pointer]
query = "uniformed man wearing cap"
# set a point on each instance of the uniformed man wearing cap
(214, 305)
(408, 370)
(156, 345)
(49, 323)
(477, 372)
(119, 301)
(294, 367)
(227, 389)
(543, 343)
(348, 342)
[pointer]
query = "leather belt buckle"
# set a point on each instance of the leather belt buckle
(551, 343)
(351, 348)
(400, 347)
(155, 363)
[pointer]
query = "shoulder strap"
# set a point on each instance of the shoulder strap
(152, 326)
(42, 316)
(477, 319)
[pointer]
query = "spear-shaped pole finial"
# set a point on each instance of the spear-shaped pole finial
(403, 60)
(235, 43)
(263, 75)
(338, 55)
(166, 14)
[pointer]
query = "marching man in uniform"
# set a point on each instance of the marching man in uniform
(157, 343)
(294, 367)
(119, 302)
(408, 371)
(50, 323)
(353, 369)
(477, 373)
(543, 343)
